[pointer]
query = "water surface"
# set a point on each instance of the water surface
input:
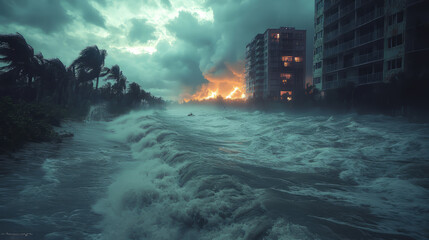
(223, 174)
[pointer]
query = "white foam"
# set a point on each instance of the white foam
(166, 193)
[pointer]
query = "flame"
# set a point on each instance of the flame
(229, 83)
(212, 95)
(233, 94)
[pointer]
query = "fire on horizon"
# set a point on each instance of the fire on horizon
(229, 85)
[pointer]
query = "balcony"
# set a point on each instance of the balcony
(360, 3)
(335, 84)
(370, 78)
(331, 35)
(346, 10)
(330, 51)
(346, 45)
(331, 67)
(373, 56)
(369, 37)
(331, 19)
(347, 27)
(329, 4)
(330, 85)
(370, 16)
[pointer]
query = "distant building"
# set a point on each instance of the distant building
(275, 64)
(368, 41)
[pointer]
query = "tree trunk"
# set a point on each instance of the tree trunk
(96, 85)
(30, 80)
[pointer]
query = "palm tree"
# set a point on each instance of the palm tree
(19, 56)
(133, 93)
(55, 79)
(115, 73)
(90, 64)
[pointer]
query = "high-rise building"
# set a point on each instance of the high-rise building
(368, 41)
(275, 64)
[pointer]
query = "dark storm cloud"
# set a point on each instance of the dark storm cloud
(237, 22)
(141, 31)
(182, 64)
(88, 12)
(47, 15)
(187, 28)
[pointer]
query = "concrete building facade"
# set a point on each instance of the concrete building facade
(318, 45)
(275, 64)
(366, 41)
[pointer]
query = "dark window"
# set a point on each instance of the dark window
(318, 65)
(395, 41)
(319, 5)
(316, 80)
(400, 17)
(399, 39)
(394, 64)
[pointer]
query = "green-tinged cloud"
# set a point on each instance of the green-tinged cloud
(141, 31)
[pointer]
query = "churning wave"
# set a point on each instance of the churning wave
(230, 174)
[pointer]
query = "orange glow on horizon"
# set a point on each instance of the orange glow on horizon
(229, 83)
(234, 92)
(212, 95)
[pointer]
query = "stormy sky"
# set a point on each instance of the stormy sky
(170, 47)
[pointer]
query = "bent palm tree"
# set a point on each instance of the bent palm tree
(19, 56)
(115, 73)
(90, 64)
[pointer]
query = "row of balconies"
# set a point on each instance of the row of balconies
(364, 79)
(346, 10)
(331, 35)
(328, 20)
(360, 59)
(347, 27)
(359, 3)
(370, 78)
(329, 4)
(354, 24)
(370, 16)
(339, 14)
(353, 43)
(331, 84)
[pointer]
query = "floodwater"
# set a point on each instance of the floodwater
(222, 174)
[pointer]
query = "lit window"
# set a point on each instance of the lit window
(286, 75)
(286, 95)
(298, 59)
(284, 81)
(278, 35)
(287, 58)
(287, 64)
